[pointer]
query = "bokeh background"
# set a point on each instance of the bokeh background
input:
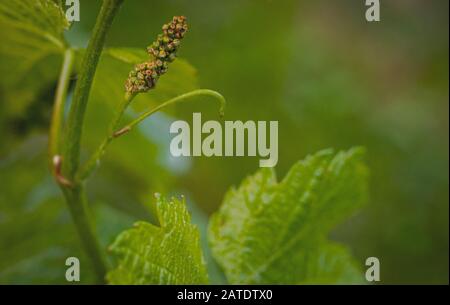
(330, 78)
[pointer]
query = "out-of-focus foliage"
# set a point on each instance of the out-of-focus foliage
(36, 233)
(275, 233)
(166, 254)
(32, 42)
(35, 229)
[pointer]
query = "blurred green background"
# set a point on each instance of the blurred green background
(330, 78)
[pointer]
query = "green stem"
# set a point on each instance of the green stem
(115, 132)
(76, 200)
(74, 191)
(54, 142)
(83, 86)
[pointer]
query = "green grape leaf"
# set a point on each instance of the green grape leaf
(269, 232)
(31, 48)
(330, 263)
(165, 254)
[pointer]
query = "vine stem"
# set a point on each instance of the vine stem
(82, 89)
(114, 132)
(73, 191)
(76, 200)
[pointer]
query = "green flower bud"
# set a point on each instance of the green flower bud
(166, 46)
(164, 50)
(142, 78)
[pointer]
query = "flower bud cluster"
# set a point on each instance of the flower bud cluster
(144, 76)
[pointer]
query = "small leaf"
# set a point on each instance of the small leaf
(168, 254)
(269, 232)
